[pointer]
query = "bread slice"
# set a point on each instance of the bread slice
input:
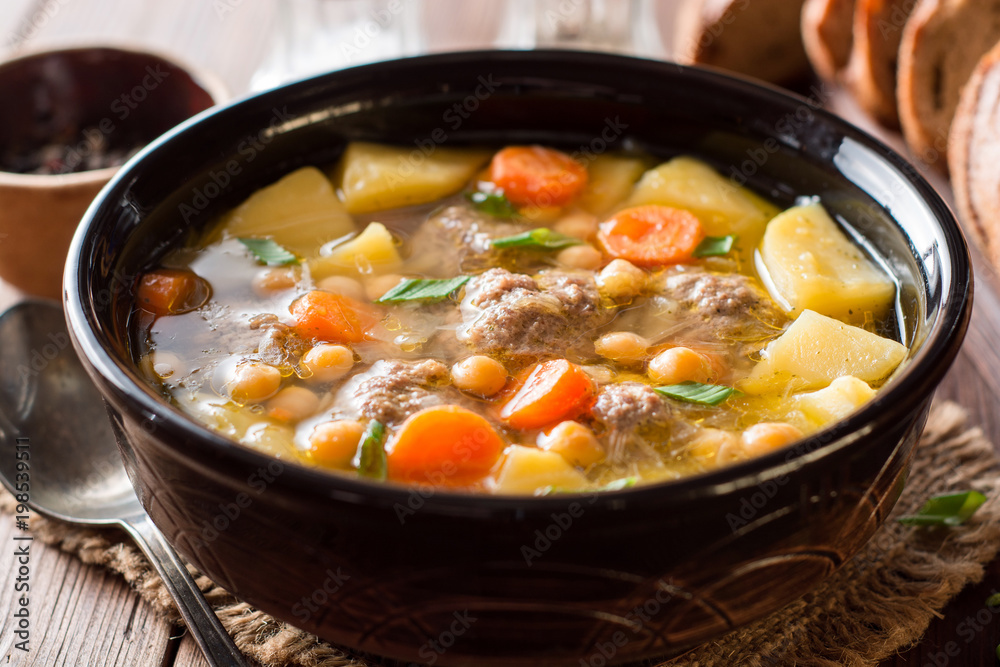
(871, 73)
(759, 38)
(826, 35)
(974, 154)
(942, 43)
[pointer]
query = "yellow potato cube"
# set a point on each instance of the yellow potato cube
(374, 177)
(813, 265)
(300, 212)
(843, 396)
(722, 206)
(526, 470)
(610, 181)
(372, 251)
(816, 350)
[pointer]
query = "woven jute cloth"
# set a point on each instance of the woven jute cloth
(876, 605)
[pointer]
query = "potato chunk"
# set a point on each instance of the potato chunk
(844, 395)
(815, 350)
(813, 265)
(374, 177)
(722, 206)
(372, 251)
(300, 212)
(611, 178)
(526, 469)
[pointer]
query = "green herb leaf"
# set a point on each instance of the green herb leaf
(949, 510)
(714, 245)
(617, 485)
(493, 203)
(696, 392)
(268, 252)
(371, 454)
(540, 237)
(993, 601)
(421, 289)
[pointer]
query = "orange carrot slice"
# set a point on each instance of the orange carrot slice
(555, 390)
(171, 291)
(445, 446)
(329, 317)
(652, 235)
(537, 176)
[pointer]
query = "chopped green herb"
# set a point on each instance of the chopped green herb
(714, 245)
(949, 510)
(540, 237)
(421, 289)
(371, 455)
(993, 600)
(493, 203)
(268, 252)
(696, 392)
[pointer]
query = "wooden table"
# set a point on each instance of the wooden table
(86, 616)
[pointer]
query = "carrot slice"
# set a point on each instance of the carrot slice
(537, 176)
(444, 445)
(555, 390)
(171, 291)
(329, 317)
(652, 235)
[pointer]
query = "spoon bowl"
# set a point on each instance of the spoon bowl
(74, 472)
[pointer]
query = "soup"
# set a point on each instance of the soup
(516, 321)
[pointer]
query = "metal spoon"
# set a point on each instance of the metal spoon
(50, 410)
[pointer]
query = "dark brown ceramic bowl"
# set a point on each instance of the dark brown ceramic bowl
(476, 580)
(79, 97)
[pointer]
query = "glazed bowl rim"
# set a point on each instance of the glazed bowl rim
(127, 392)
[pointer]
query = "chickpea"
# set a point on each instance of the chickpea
(327, 362)
(274, 279)
(715, 446)
(581, 257)
(574, 442)
(621, 280)
(479, 375)
(334, 443)
(292, 404)
(765, 437)
(622, 346)
(349, 287)
(253, 382)
(580, 224)
(376, 286)
(679, 364)
(165, 364)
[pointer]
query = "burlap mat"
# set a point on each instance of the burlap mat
(879, 603)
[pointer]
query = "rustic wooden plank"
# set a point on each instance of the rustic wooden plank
(188, 653)
(79, 614)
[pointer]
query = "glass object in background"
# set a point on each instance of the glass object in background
(314, 36)
(622, 26)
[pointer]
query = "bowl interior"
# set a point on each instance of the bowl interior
(781, 146)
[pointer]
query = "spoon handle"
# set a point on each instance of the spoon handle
(215, 642)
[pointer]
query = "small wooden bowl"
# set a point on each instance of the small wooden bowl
(127, 96)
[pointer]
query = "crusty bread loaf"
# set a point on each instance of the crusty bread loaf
(871, 73)
(759, 38)
(974, 154)
(826, 35)
(942, 43)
